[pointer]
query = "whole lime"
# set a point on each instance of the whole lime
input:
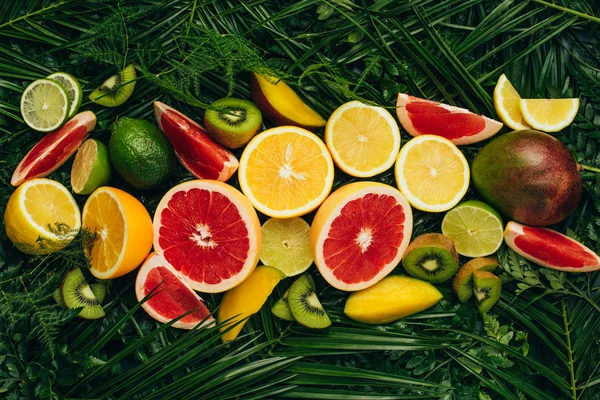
(140, 152)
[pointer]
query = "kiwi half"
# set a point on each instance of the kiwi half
(116, 89)
(232, 122)
(486, 288)
(76, 293)
(305, 306)
(463, 280)
(431, 257)
(281, 308)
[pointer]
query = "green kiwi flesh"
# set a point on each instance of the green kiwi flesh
(58, 298)
(431, 257)
(281, 308)
(99, 290)
(463, 280)
(486, 289)
(232, 122)
(76, 293)
(116, 89)
(305, 305)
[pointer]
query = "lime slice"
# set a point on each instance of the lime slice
(475, 228)
(45, 105)
(91, 168)
(73, 88)
(286, 245)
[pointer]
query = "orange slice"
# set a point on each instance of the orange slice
(364, 140)
(118, 232)
(286, 172)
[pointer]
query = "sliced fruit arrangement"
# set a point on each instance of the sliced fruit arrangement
(432, 173)
(232, 122)
(116, 89)
(209, 232)
(140, 153)
(76, 293)
(474, 227)
(529, 176)
(286, 172)
(304, 304)
(359, 234)
(549, 248)
(41, 217)
(281, 105)
(486, 289)
(73, 89)
(171, 295)
(431, 257)
(118, 232)
(247, 299)
(91, 167)
(45, 105)
(549, 115)
(390, 299)
(508, 104)
(54, 149)
(196, 151)
(281, 308)
(363, 140)
(286, 245)
(463, 280)
(461, 126)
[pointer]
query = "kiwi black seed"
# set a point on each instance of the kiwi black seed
(305, 306)
(431, 257)
(463, 280)
(232, 122)
(281, 308)
(76, 293)
(486, 289)
(116, 89)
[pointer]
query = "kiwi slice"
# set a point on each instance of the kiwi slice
(58, 298)
(463, 280)
(431, 257)
(486, 288)
(232, 122)
(98, 288)
(116, 89)
(281, 308)
(305, 305)
(77, 293)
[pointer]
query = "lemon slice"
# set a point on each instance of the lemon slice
(549, 115)
(45, 105)
(286, 245)
(432, 173)
(507, 102)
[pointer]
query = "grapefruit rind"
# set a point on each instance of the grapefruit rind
(155, 260)
(514, 230)
(245, 210)
(491, 126)
(331, 209)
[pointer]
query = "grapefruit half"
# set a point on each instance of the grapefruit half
(461, 126)
(550, 249)
(172, 295)
(359, 234)
(209, 232)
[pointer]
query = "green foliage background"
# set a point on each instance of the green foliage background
(539, 342)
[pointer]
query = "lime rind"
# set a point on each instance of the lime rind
(91, 167)
(73, 88)
(45, 105)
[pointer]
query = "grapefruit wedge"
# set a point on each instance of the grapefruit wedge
(172, 296)
(54, 149)
(461, 126)
(196, 151)
(359, 234)
(550, 249)
(209, 232)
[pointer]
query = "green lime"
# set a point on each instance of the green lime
(73, 88)
(45, 105)
(475, 227)
(286, 245)
(140, 152)
(91, 168)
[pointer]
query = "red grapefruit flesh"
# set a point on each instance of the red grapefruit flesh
(550, 249)
(360, 233)
(461, 126)
(209, 232)
(54, 149)
(172, 296)
(196, 151)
